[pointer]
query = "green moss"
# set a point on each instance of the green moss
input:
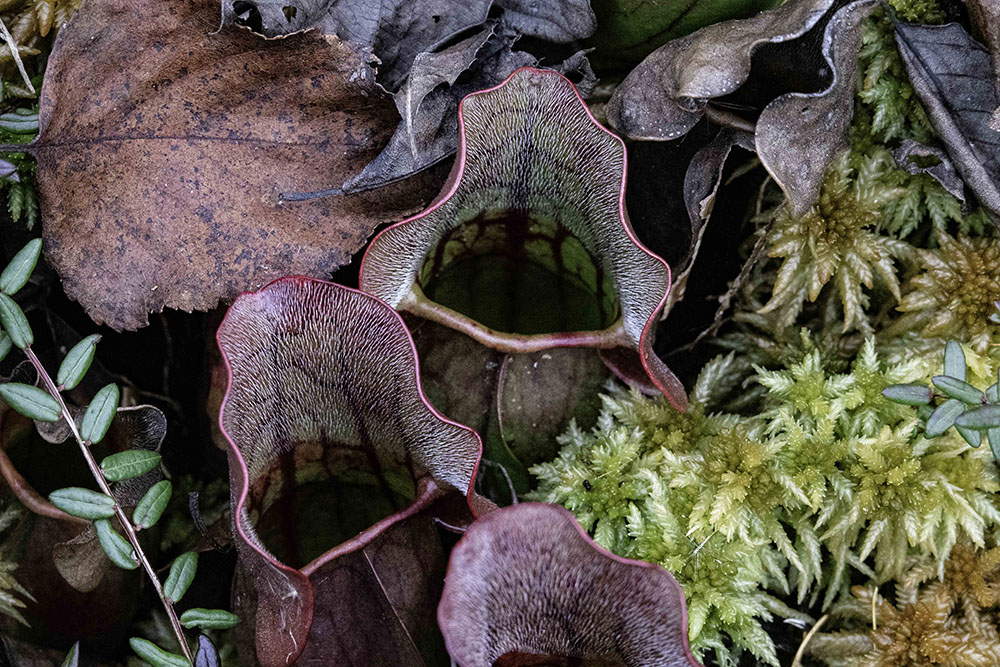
(827, 479)
(952, 295)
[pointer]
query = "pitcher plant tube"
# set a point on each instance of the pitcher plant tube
(528, 247)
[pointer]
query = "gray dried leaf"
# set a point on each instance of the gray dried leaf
(701, 183)
(985, 15)
(667, 93)
(428, 100)
(559, 21)
(428, 104)
(952, 74)
(799, 133)
(395, 31)
(910, 153)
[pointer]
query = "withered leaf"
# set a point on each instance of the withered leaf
(667, 93)
(796, 133)
(394, 31)
(80, 560)
(911, 154)
(953, 76)
(701, 183)
(799, 133)
(428, 102)
(429, 98)
(163, 150)
(985, 15)
(525, 583)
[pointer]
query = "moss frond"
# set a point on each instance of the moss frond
(952, 295)
(827, 479)
(941, 617)
(836, 242)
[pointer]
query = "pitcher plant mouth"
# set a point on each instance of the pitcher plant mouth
(327, 425)
(528, 246)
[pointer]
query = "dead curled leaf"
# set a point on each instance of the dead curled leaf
(428, 101)
(335, 454)
(953, 77)
(701, 183)
(911, 153)
(525, 583)
(164, 146)
(985, 15)
(396, 32)
(538, 185)
(796, 133)
(393, 31)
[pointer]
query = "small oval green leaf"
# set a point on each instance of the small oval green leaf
(73, 657)
(15, 323)
(981, 418)
(31, 401)
(155, 655)
(942, 418)
(83, 503)
(973, 437)
(5, 344)
(19, 123)
(152, 504)
(129, 464)
(959, 389)
(77, 362)
(909, 394)
(16, 275)
(993, 435)
(101, 411)
(992, 392)
(115, 546)
(954, 361)
(209, 619)
(181, 575)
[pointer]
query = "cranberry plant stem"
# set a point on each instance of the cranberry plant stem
(102, 483)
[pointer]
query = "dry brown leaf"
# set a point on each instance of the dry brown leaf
(164, 147)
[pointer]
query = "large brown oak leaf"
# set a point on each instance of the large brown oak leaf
(165, 145)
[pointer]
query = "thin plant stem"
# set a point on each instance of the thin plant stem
(119, 512)
(17, 56)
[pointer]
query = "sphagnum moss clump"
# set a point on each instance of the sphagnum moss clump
(837, 241)
(953, 294)
(828, 479)
(941, 617)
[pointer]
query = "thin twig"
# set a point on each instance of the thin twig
(119, 512)
(17, 56)
(797, 661)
